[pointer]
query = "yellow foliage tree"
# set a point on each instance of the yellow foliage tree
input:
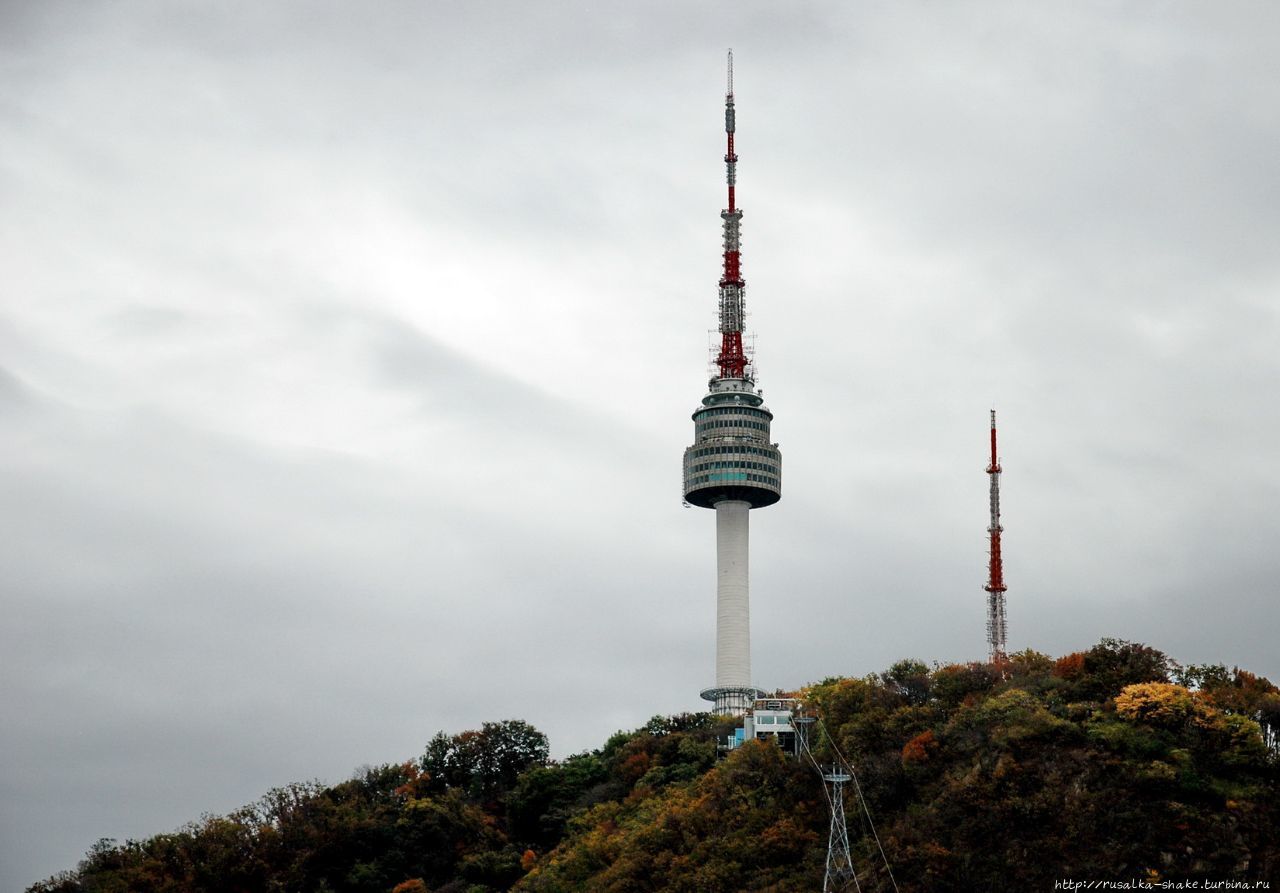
(1159, 703)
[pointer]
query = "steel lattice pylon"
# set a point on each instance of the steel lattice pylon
(839, 861)
(995, 587)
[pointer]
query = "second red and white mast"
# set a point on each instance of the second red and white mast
(995, 569)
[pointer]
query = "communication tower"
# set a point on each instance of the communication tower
(732, 466)
(995, 571)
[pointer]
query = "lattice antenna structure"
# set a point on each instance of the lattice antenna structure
(995, 569)
(803, 723)
(732, 360)
(839, 861)
(733, 465)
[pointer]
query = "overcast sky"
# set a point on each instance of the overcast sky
(348, 352)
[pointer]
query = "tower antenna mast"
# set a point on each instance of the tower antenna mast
(995, 571)
(731, 360)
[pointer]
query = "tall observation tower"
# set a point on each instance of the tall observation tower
(732, 466)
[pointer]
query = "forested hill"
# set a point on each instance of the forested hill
(1110, 764)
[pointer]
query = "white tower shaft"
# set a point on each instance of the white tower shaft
(733, 611)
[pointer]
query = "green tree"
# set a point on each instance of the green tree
(486, 762)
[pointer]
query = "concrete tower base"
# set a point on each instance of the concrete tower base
(733, 692)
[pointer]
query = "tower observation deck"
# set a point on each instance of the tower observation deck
(733, 466)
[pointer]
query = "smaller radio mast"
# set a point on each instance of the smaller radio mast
(995, 580)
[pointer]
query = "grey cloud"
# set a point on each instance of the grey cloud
(171, 568)
(273, 509)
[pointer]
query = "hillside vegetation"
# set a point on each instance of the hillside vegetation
(1109, 764)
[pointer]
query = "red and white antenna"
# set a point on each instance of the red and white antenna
(731, 360)
(995, 580)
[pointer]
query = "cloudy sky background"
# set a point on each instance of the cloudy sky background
(347, 355)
